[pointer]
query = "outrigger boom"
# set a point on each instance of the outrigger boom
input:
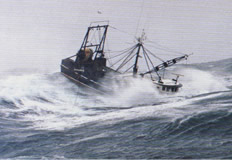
(166, 64)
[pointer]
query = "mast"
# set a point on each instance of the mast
(139, 45)
(135, 69)
(134, 52)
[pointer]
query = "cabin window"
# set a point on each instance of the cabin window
(168, 88)
(173, 89)
(163, 88)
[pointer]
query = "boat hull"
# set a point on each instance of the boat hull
(81, 76)
(167, 86)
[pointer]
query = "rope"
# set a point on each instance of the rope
(129, 68)
(125, 62)
(148, 57)
(121, 31)
(125, 51)
(165, 48)
(154, 55)
(126, 56)
(147, 61)
(108, 55)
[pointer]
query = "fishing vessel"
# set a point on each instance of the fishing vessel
(88, 67)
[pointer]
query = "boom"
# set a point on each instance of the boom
(166, 64)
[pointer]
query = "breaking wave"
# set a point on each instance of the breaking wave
(39, 111)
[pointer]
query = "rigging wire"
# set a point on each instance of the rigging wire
(126, 51)
(151, 62)
(154, 55)
(166, 54)
(117, 55)
(147, 61)
(165, 48)
(108, 55)
(109, 51)
(149, 58)
(122, 31)
(126, 59)
(109, 58)
(124, 63)
(152, 65)
(126, 56)
(118, 61)
(128, 69)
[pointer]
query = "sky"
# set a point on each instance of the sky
(36, 35)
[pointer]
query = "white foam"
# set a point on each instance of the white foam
(64, 108)
(132, 91)
(199, 82)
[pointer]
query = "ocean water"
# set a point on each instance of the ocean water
(45, 116)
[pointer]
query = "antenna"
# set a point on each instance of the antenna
(142, 38)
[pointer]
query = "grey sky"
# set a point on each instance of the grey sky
(37, 34)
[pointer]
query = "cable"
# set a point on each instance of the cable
(123, 49)
(128, 68)
(148, 57)
(125, 62)
(122, 31)
(154, 55)
(126, 56)
(122, 52)
(147, 61)
(165, 48)
(175, 54)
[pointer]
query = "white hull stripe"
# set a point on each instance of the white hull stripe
(64, 66)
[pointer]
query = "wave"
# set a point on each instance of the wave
(50, 101)
(48, 109)
(221, 67)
